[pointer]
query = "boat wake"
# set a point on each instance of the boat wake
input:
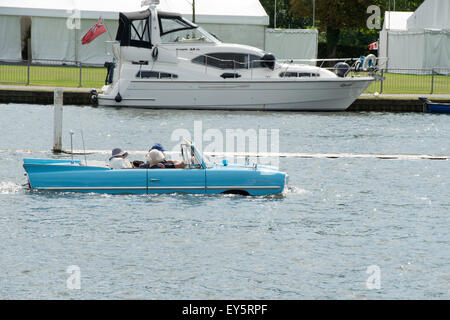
(295, 190)
(7, 187)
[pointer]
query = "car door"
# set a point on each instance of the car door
(188, 180)
(111, 181)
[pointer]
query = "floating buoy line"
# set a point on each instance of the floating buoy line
(268, 155)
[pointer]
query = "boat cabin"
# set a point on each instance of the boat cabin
(135, 29)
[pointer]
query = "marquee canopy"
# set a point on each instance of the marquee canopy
(432, 14)
(207, 11)
(417, 42)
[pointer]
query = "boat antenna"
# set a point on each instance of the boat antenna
(71, 145)
(84, 148)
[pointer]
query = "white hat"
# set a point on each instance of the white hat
(155, 156)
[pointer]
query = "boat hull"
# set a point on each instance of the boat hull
(434, 107)
(302, 95)
(438, 108)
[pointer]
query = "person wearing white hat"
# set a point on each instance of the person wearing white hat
(157, 160)
(118, 160)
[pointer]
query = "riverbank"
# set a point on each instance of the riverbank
(81, 96)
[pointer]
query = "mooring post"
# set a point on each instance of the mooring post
(57, 120)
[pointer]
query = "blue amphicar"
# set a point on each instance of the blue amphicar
(199, 175)
(435, 107)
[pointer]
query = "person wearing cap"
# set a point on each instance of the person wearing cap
(119, 160)
(167, 163)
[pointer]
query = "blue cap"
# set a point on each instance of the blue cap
(158, 146)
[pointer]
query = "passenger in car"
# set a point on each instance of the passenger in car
(118, 159)
(169, 164)
(156, 160)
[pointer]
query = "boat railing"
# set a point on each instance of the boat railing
(356, 64)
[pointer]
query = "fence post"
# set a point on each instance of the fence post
(381, 85)
(432, 81)
(28, 73)
(79, 84)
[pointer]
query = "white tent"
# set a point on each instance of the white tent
(417, 42)
(10, 42)
(432, 14)
(292, 43)
(51, 38)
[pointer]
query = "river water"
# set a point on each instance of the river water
(346, 228)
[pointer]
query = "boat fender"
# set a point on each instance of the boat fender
(369, 62)
(94, 96)
(118, 98)
(155, 53)
(268, 60)
(341, 69)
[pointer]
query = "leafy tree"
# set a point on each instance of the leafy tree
(285, 18)
(334, 16)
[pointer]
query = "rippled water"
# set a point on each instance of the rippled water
(339, 217)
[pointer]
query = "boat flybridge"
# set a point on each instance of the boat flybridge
(162, 60)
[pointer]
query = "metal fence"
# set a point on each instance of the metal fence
(411, 81)
(52, 73)
(76, 74)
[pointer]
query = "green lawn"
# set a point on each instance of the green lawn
(95, 78)
(53, 76)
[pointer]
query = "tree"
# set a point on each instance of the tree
(285, 18)
(333, 16)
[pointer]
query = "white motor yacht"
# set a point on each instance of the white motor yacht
(162, 60)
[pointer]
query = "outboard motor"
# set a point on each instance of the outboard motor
(268, 60)
(341, 69)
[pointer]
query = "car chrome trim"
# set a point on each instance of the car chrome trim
(157, 188)
(119, 188)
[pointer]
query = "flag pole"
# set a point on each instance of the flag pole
(106, 29)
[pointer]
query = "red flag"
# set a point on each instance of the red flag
(373, 46)
(94, 32)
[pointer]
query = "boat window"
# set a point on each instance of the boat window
(177, 29)
(134, 29)
(184, 36)
(155, 75)
(225, 60)
(139, 30)
(298, 74)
